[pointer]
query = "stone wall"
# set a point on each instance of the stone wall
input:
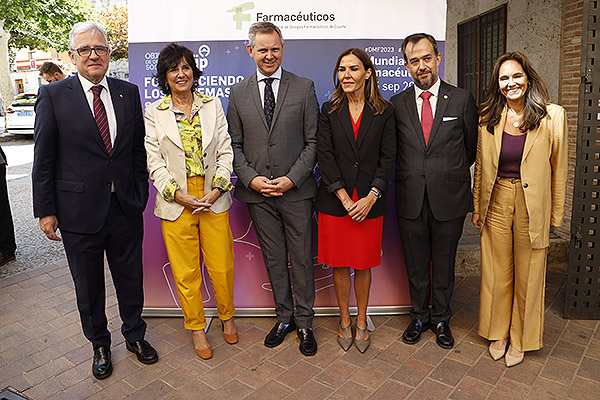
(570, 78)
(533, 27)
(549, 33)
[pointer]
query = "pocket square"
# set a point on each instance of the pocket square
(444, 119)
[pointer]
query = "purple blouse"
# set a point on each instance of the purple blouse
(509, 165)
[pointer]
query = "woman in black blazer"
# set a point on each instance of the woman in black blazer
(356, 145)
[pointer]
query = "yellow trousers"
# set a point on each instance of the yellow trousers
(183, 239)
(513, 274)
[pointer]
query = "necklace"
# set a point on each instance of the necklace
(516, 124)
(182, 104)
(357, 106)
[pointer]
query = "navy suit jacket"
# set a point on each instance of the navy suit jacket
(72, 170)
(440, 169)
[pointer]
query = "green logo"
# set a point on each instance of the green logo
(239, 15)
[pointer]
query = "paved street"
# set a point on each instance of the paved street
(44, 355)
(33, 249)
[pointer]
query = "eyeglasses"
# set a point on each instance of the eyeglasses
(87, 51)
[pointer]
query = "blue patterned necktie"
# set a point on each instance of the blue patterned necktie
(269, 106)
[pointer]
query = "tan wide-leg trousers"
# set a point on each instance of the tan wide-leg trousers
(513, 274)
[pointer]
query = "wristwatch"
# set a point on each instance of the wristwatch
(376, 192)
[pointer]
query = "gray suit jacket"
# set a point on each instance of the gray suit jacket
(289, 148)
(442, 168)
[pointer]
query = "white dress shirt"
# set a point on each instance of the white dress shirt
(434, 90)
(106, 99)
(262, 84)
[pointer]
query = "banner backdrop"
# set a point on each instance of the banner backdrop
(315, 33)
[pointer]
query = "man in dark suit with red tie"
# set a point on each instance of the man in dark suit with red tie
(436, 130)
(90, 180)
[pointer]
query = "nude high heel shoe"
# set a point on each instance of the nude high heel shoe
(511, 360)
(497, 353)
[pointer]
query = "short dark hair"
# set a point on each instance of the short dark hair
(170, 56)
(262, 27)
(417, 37)
(50, 68)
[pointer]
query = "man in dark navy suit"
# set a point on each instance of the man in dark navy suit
(90, 180)
(436, 131)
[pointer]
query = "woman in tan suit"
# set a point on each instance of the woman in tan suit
(519, 192)
(190, 161)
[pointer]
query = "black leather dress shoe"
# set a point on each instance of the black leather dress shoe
(412, 334)
(277, 334)
(102, 366)
(443, 335)
(308, 344)
(143, 350)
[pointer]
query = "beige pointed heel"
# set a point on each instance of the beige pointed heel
(497, 353)
(511, 360)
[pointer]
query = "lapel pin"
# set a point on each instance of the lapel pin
(445, 97)
(121, 95)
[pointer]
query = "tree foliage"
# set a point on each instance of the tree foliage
(114, 20)
(41, 24)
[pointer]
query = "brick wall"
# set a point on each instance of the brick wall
(569, 91)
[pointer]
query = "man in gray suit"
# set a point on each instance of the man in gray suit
(272, 118)
(436, 130)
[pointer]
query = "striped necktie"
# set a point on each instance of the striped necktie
(101, 118)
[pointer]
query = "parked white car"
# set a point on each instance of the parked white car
(20, 116)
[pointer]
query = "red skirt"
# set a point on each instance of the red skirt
(345, 243)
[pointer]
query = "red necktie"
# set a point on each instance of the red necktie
(101, 118)
(426, 116)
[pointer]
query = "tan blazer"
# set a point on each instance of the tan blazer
(543, 172)
(166, 158)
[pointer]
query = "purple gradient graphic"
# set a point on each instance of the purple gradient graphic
(226, 62)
